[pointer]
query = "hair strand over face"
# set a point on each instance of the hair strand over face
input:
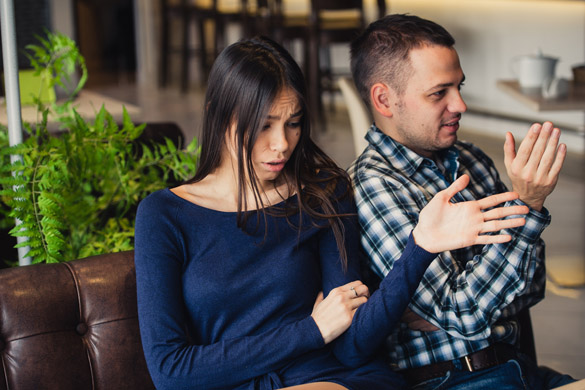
(244, 82)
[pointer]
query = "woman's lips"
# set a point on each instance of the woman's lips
(275, 166)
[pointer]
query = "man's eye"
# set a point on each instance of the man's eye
(439, 93)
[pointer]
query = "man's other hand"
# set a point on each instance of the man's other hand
(534, 169)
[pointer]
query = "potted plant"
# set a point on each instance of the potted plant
(76, 192)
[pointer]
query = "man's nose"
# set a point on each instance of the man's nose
(457, 104)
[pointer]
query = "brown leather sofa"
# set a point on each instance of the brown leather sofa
(74, 326)
(71, 326)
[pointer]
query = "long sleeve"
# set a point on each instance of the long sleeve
(462, 296)
(175, 361)
(375, 319)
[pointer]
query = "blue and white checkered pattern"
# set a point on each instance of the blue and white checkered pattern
(471, 294)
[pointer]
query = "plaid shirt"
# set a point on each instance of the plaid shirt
(471, 294)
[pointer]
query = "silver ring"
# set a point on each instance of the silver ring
(355, 292)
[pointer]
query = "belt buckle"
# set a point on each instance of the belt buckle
(468, 363)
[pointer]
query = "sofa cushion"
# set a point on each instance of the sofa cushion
(71, 325)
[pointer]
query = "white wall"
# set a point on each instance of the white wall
(490, 33)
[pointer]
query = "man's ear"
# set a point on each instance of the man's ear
(381, 96)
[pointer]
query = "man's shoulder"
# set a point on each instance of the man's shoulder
(371, 164)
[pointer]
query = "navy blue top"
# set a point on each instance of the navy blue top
(223, 308)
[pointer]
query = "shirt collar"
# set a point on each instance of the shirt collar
(406, 160)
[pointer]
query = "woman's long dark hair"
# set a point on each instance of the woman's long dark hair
(243, 84)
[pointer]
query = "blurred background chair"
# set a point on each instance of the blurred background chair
(210, 19)
(359, 115)
(331, 22)
(187, 14)
(225, 12)
(291, 29)
(315, 27)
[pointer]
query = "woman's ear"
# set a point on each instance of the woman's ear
(381, 96)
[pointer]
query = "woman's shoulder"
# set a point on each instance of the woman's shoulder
(156, 200)
(164, 204)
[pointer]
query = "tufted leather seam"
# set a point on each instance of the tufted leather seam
(80, 308)
(90, 367)
(114, 320)
(36, 334)
(76, 282)
(5, 372)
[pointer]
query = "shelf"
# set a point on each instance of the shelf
(575, 100)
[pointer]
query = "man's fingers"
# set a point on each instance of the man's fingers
(549, 154)
(456, 186)
(502, 212)
(494, 200)
(525, 149)
(555, 169)
(492, 239)
(509, 149)
(540, 146)
(497, 225)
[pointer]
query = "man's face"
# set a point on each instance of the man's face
(426, 115)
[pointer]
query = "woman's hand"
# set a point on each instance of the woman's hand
(333, 315)
(443, 225)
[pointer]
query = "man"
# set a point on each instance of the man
(461, 330)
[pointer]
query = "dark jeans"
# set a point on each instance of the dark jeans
(520, 374)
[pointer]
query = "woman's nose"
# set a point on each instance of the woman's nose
(278, 141)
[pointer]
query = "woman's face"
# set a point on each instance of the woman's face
(278, 137)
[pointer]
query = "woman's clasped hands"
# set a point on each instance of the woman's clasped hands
(444, 225)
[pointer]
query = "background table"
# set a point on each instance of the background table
(87, 104)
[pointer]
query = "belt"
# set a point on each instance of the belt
(488, 357)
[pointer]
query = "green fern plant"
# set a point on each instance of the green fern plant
(76, 193)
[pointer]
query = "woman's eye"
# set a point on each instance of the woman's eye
(294, 125)
(266, 126)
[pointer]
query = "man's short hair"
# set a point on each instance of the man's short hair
(381, 52)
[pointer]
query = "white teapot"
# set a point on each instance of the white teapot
(534, 71)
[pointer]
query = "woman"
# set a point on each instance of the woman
(230, 265)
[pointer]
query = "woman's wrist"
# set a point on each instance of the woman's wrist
(421, 240)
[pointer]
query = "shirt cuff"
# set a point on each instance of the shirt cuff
(536, 222)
